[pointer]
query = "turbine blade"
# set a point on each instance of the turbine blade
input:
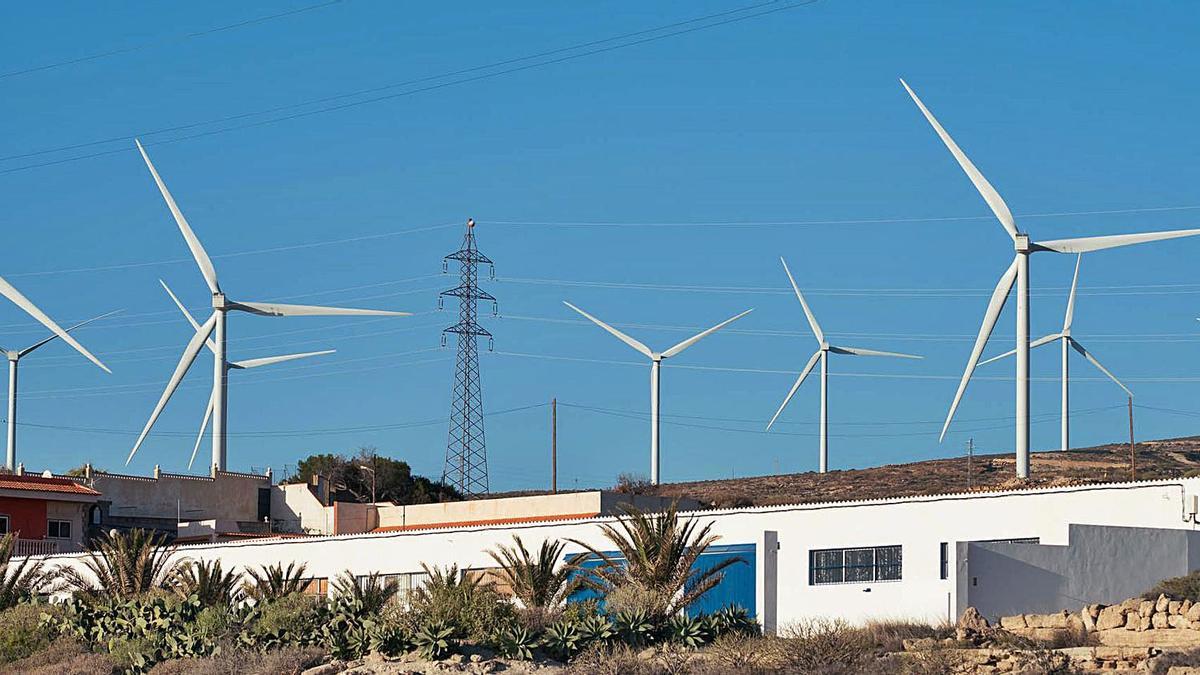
(792, 392)
(999, 297)
(812, 320)
(212, 346)
(203, 425)
(698, 336)
(859, 351)
(1087, 244)
(989, 193)
(279, 309)
(1032, 345)
(193, 244)
(616, 333)
(1088, 355)
(51, 338)
(185, 361)
(1071, 298)
(10, 292)
(269, 360)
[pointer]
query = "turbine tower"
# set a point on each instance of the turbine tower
(215, 326)
(1068, 342)
(1018, 273)
(822, 354)
(466, 449)
(14, 359)
(656, 359)
(233, 365)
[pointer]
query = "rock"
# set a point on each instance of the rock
(1132, 620)
(1145, 623)
(972, 620)
(475, 658)
(1094, 610)
(1132, 603)
(1034, 621)
(1088, 621)
(1193, 612)
(1159, 620)
(1178, 621)
(1075, 624)
(456, 659)
(1056, 620)
(1110, 617)
(1158, 639)
(1146, 608)
(326, 669)
(1161, 604)
(1011, 622)
(1173, 606)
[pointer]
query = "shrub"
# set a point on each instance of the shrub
(739, 653)
(71, 659)
(475, 611)
(285, 661)
(366, 596)
(609, 659)
(21, 634)
(290, 620)
(122, 566)
(271, 582)
(18, 582)
(819, 644)
(1163, 663)
(889, 635)
(1186, 587)
(209, 582)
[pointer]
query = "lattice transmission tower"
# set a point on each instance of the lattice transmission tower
(466, 452)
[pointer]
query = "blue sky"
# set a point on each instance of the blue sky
(621, 170)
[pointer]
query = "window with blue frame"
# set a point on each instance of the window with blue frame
(854, 565)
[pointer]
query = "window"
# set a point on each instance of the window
(3, 525)
(944, 551)
(318, 587)
(854, 565)
(1021, 540)
(58, 529)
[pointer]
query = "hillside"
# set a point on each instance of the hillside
(1167, 458)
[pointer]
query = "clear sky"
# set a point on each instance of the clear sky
(609, 180)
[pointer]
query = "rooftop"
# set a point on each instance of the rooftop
(43, 484)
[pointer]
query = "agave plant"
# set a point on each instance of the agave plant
(540, 583)
(563, 640)
(271, 582)
(208, 582)
(656, 553)
(516, 643)
(368, 594)
(435, 641)
(121, 566)
(18, 581)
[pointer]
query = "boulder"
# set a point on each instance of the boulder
(1056, 620)
(1133, 620)
(1088, 621)
(1132, 603)
(1178, 621)
(1146, 623)
(972, 620)
(1034, 621)
(1094, 610)
(1187, 604)
(1193, 612)
(1110, 617)
(1146, 608)
(1161, 604)
(1159, 620)
(1173, 606)
(1011, 622)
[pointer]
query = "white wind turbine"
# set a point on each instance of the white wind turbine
(215, 326)
(822, 353)
(235, 365)
(656, 359)
(1068, 342)
(14, 359)
(1018, 272)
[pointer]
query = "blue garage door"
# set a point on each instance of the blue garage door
(736, 588)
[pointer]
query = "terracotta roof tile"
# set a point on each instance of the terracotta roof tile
(494, 521)
(41, 484)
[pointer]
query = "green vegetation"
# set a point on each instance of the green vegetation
(20, 581)
(122, 566)
(1186, 587)
(393, 479)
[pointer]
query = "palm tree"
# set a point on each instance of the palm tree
(209, 582)
(660, 553)
(539, 583)
(271, 582)
(21, 581)
(122, 566)
(368, 595)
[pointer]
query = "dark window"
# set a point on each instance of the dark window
(94, 515)
(264, 503)
(1021, 540)
(58, 529)
(854, 565)
(3, 524)
(945, 556)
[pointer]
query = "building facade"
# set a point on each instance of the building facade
(45, 514)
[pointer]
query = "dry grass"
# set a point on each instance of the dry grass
(286, 661)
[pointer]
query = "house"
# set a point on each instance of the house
(46, 515)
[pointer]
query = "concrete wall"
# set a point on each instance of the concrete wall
(172, 497)
(918, 524)
(294, 508)
(575, 504)
(1098, 564)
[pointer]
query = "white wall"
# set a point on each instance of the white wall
(918, 524)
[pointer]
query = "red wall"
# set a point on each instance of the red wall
(27, 516)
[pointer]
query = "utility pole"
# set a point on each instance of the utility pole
(1132, 452)
(970, 454)
(554, 446)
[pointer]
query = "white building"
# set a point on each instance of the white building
(923, 557)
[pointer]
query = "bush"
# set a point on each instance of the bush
(475, 611)
(21, 633)
(294, 615)
(1186, 587)
(819, 644)
(286, 661)
(1162, 664)
(73, 663)
(889, 635)
(51, 659)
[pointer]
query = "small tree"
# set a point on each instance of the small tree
(123, 565)
(660, 552)
(271, 582)
(209, 582)
(20, 581)
(541, 584)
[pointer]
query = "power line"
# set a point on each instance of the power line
(167, 40)
(774, 8)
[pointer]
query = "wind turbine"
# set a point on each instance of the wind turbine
(656, 359)
(235, 365)
(822, 354)
(215, 326)
(14, 359)
(1068, 341)
(1018, 272)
